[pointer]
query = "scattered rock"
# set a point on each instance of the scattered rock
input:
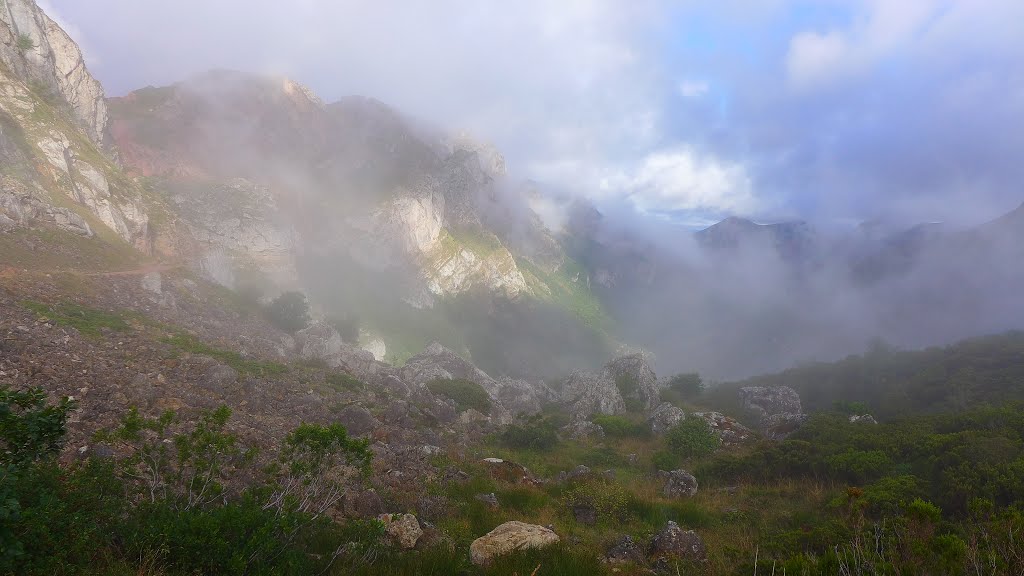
(402, 529)
(664, 417)
(357, 420)
(489, 499)
(863, 419)
(580, 471)
(364, 504)
(218, 377)
(509, 537)
(678, 484)
(581, 429)
(585, 514)
(625, 550)
(587, 393)
(676, 542)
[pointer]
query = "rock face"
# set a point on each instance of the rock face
(402, 529)
(22, 210)
(624, 383)
(54, 125)
(509, 537)
(674, 541)
(679, 484)
(777, 409)
(36, 49)
(664, 417)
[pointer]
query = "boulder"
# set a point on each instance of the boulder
(490, 499)
(664, 417)
(507, 471)
(580, 471)
(863, 419)
(509, 537)
(625, 550)
(586, 393)
(402, 529)
(581, 429)
(217, 378)
(776, 408)
(679, 483)
(635, 380)
(357, 420)
(729, 431)
(320, 341)
(675, 542)
(152, 282)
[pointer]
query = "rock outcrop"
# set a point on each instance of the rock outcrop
(636, 381)
(777, 409)
(22, 210)
(624, 383)
(729, 431)
(665, 417)
(34, 48)
(321, 341)
(511, 396)
(509, 537)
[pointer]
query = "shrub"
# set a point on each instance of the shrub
(289, 311)
(464, 393)
(25, 43)
(665, 460)
(29, 428)
(621, 426)
(610, 500)
(687, 385)
(342, 381)
(691, 438)
(536, 433)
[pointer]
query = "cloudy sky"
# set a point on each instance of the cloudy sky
(828, 110)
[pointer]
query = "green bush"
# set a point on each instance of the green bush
(342, 381)
(535, 433)
(665, 460)
(691, 438)
(610, 500)
(464, 393)
(621, 426)
(687, 385)
(30, 429)
(289, 311)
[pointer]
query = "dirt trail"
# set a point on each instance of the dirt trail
(9, 272)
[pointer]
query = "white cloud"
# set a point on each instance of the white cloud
(693, 88)
(681, 179)
(878, 29)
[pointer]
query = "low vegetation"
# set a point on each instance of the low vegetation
(188, 343)
(289, 311)
(466, 394)
(88, 321)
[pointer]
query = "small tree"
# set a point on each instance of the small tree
(289, 311)
(687, 385)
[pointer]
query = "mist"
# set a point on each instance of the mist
(577, 153)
